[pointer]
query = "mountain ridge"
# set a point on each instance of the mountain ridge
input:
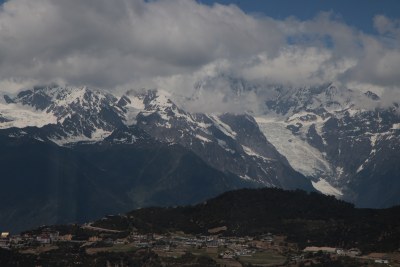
(159, 116)
(319, 132)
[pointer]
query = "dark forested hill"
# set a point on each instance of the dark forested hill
(305, 218)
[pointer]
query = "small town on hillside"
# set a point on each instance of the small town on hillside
(264, 250)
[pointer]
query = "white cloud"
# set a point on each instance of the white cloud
(110, 43)
(387, 26)
(174, 44)
(296, 66)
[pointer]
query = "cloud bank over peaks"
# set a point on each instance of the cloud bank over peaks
(183, 46)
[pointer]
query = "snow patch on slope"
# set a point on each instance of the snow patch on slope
(326, 188)
(224, 145)
(396, 126)
(223, 127)
(67, 96)
(22, 116)
(203, 139)
(251, 152)
(373, 139)
(133, 108)
(163, 99)
(97, 135)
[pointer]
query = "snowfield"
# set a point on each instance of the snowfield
(302, 157)
(21, 116)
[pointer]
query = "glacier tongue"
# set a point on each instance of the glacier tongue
(302, 156)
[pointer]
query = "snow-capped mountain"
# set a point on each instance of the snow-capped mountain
(231, 143)
(322, 133)
(327, 134)
(150, 152)
(76, 113)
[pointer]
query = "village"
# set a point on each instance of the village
(264, 250)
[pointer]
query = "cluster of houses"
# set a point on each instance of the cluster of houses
(339, 251)
(234, 246)
(171, 241)
(353, 252)
(228, 247)
(237, 251)
(4, 240)
(47, 236)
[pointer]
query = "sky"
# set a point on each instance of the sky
(177, 45)
(356, 13)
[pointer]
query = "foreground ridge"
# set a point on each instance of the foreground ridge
(267, 226)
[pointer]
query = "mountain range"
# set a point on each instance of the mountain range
(72, 154)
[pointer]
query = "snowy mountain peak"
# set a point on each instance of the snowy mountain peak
(372, 95)
(53, 97)
(319, 132)
(77, 113)
(147, 102)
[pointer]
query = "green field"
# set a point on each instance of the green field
(266, 258)
(115, 248)
(211, 252)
